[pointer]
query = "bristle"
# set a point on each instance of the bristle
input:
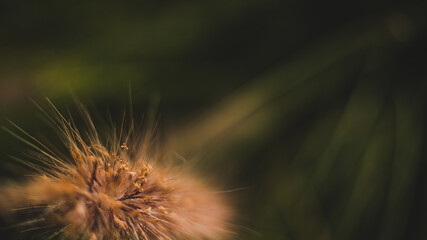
(111, 193)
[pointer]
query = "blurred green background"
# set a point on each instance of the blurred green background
(316, 108)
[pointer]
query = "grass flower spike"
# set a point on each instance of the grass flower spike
(113, 189)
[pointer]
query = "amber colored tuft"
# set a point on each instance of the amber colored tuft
(115, 191)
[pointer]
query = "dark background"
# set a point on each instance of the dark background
(315, 107)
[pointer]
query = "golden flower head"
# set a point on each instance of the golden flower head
(118, 190)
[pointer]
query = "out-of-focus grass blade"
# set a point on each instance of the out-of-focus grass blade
(409, 129)
(278, 82)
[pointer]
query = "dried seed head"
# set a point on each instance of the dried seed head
(113, 193)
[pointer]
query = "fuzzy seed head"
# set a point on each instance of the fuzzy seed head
(117, 192)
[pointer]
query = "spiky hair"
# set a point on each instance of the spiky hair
(116, 190)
